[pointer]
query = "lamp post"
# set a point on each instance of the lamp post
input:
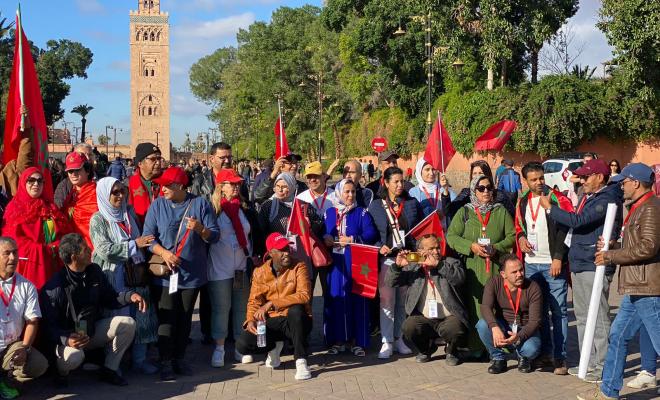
(107, 141)
(157, 134)
(256, 145)
(114, 148)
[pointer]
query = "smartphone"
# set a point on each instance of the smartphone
(413, 257)
(81, 327)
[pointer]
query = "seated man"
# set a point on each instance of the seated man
(20, 362)
(434, 311)
(511, 316)
(73, 302)
(280, 296)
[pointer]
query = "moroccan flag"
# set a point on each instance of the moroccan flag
(439, 148)
(431, 225)
(24, 91)
(298, 225)
(496, 136)
(364, 270)
(281, 145)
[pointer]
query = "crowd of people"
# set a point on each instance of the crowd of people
(117, 263)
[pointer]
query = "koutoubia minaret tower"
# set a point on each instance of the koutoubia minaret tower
(150, 76)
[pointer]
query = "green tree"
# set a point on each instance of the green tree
(103, 140)
(82, 110)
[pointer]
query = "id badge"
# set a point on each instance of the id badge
(533, 239)
(239, 279)
(81, 327)
(433, 308)
(174, 283)
(569, 238)
(514, 327)
(482, 241)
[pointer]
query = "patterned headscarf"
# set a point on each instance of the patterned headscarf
(475, 204)
(339, 204)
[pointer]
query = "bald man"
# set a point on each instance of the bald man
(353, 171)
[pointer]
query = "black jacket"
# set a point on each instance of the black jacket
(264, 190)
(411, 215)
(203, 185)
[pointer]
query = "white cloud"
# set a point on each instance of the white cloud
(214, 29)
(90, 7)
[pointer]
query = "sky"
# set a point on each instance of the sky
(197, 28)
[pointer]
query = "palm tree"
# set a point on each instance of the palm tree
(82, 110)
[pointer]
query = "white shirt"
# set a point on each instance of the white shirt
(319, 204)
(24, 306)
(431, 294)
(542, 254)
(226, 256)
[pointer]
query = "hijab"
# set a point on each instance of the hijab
(339, 204)
(429, 187)
(23, 208)
(290, 181)
(475, 204)
(114, 216)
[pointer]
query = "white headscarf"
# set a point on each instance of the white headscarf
(114, 215)
(339, 204)
(430, 187)
(290, 181)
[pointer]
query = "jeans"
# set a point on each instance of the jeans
(582, 284)
(634, 312)
(392, 306)
(224, 298)
(555, 291)
(647, 352)
(530, 348)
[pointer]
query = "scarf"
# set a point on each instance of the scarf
(81, 205)
(475, 204)
(115, 216)
(429, 187)
(339, 204)
(139, 195)
(232, 208)
(290, 181)
(25, 209)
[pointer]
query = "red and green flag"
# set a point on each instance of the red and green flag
(298, 225)
(364, 270)
(439, 149)
(431, 225)
(496, 136)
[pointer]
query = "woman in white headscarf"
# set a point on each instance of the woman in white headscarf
(115, 234)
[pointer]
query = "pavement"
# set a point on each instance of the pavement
(340, 377)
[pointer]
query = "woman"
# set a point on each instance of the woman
(427, 191)
(80, 204)
(394, 214)
(183, 226)
(477, 168)
(37, 225)
(346, 316)
(481, 231)
(615, 168)
(229, 285)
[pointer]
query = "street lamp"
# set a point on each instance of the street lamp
(114, 149)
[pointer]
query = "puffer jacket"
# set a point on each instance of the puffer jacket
(291, 287)
(639, 256)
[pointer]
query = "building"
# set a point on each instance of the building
(150, 76)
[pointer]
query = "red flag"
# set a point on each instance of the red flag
(431, 225)
(24, 90)
(281, 145)
(298, 225)
(439, 149)
(496, 136)
(364, 270)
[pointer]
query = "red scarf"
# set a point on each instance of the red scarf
(232, 208)
(81, 205)
(139, 196)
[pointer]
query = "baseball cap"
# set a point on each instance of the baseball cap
(314, 168)
(387, 154)
(276, 241)
(228, 175)
(595, 166)
(75, 160)
(636, 171)
(173, 175)
(293, 157)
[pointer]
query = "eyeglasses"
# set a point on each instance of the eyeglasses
(623, 182)
(35, 181)
(74, 171)
(154, 159)
(614, 165)
(482, 188)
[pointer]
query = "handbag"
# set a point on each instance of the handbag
(135, 274)
(157, 265)
(320, 255)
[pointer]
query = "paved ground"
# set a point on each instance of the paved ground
(339, 377)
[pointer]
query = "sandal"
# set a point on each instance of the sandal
(336, 349)
(357, 351)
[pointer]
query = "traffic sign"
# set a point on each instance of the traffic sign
(379, 144)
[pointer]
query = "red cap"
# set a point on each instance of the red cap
(75, 161)
(228, 175)
(276, 241)
(595, 166)
(173, 175)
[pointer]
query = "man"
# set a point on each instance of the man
(586, 225)
(264, 174)
(129, 168)
(435, 312)
(20, 362)
(639, 276)
(318, 195)
(288, 164)
(576, 188)
(279, 297)
(117, 169)
(64, 187)
(142, 189)
(511, 316)
(371, 170)
(352, 171)
(74, 301)
(541, 240)
(509, 181)
(499, 170)
(386, 159)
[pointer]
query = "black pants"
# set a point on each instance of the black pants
(296, 326)
(421, 331)
(174, 320)
(205, 311)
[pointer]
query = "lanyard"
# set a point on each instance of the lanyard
(433, 201)
(581, 205)
(637, 204)
(340, 220)
(325, 194)
(428, 278)
(6, 300)
(484, 222)
(517, 306)
(535, 214)
(398, 213)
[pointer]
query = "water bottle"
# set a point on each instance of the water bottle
(261, 333)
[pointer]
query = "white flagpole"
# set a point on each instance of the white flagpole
(19, 32)
(442, 152)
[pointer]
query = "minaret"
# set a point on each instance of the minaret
(150, 76)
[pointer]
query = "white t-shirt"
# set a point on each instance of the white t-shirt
(321, 204)
(24, 305)
(540, 255)
(226, 255)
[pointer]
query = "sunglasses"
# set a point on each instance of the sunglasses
(118, 192)
(37, 181)
(482, 188)
(154, 159)
(74, 171)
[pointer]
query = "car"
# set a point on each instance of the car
(558, 170)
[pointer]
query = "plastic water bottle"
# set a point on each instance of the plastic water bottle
(261, 333)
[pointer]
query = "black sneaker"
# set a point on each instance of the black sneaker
(167, 371)
(422, 358)
(452, 360)
(497, 367)
(182, 368)
(524, 365)
(112, 377)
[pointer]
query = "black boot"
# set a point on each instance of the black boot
(112, 377)
(497, 367)
(524, 365)
(167, 371)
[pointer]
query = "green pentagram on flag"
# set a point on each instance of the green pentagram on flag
(365, 270)
(43, 150)
(501, 134)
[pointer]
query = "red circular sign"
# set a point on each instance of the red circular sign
(379, 144)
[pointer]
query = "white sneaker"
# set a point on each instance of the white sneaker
(243, 359)
(273, 359)
(386, 351)
(218, 357)
(401, 347)
(302, 370)
(644, 380)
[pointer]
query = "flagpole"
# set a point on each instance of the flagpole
(279, 112)
(19, 32)
(421, 222)
(442, 151)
